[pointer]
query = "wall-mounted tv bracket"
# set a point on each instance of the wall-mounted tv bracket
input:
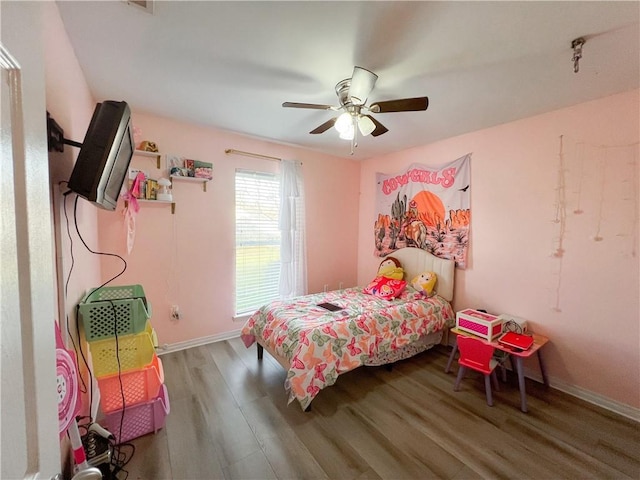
(55, 136)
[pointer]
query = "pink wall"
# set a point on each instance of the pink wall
(586, 301)
(188, 258)
(71, 105)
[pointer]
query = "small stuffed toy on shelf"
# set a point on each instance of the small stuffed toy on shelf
(148, 146)
(426, 283)
(390, 267)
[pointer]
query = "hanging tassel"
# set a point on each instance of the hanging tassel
(132, 208)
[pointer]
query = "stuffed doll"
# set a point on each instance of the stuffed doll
(388, 283)
(425, 282)
(390, 267)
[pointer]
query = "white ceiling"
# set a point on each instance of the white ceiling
(231, 65)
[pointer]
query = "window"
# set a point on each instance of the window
(257, 240)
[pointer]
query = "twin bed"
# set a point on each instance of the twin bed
(315, 345)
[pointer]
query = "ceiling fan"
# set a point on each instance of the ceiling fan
(352, 96)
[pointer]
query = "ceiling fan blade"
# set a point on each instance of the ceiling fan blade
(380, 129)
(400, 105)
(362, 82)
(324, 127)
(307, 105)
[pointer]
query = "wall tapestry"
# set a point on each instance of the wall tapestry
(425, 207)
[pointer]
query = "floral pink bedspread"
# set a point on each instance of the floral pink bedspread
(320, 344)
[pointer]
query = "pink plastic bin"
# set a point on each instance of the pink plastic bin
(148, 417)
(138, 386)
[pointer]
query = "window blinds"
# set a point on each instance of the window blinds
(257, 239)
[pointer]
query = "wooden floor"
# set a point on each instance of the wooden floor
(229, 419)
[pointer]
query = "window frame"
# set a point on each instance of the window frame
(270, 191)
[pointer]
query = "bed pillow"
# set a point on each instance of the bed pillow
(425, 283)
(390, 267)
(384, 287)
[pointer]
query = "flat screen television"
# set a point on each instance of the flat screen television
(105, 154)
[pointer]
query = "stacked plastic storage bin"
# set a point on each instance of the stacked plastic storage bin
(130, 377)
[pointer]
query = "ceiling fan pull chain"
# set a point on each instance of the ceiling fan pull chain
(354, 140)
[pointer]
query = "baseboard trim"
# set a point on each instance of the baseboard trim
(196, 342)
(586, 395)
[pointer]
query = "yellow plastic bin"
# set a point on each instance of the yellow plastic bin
(132, 352)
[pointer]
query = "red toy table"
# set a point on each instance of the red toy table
(518, 355)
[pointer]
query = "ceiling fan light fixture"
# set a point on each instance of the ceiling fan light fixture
(344, 123)
(349, 132)
(347, 135)
(366, 125)
(362, 82)
(352, 95)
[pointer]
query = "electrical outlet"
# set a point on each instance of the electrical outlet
(175, 312)
(340, 287)
(326, 287)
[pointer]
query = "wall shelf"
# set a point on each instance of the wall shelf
(180, 178)
(165, 202)
(144, 153)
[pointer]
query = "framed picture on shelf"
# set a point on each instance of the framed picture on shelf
(190, 166)
(175, 165)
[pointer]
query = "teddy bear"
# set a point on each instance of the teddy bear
(425, 282)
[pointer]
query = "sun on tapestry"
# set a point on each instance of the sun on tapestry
(426, 207)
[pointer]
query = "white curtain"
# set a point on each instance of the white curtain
(293, 269)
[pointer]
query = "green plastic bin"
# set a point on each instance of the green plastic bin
(98, 307)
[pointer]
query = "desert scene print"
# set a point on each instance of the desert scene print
(425, 207)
